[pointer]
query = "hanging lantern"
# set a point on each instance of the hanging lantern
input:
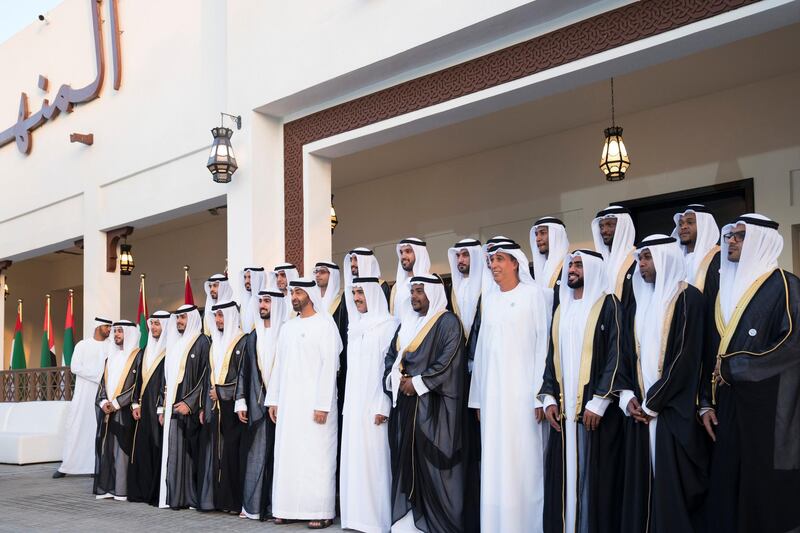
(126, 264)
(334, 218)
(614, 161)
(221, 159)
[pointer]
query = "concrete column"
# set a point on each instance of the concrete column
(101, 289)
(255, 196)
(316, 210)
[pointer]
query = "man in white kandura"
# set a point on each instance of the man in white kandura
(88, 362)
(302, 402)
(366, 471)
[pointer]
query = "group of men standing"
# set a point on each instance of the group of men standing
(535, 396)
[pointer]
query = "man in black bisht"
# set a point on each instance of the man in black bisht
(220, 480)
(585, 449)
(145, 468)
(185, 373)
(425, 377)
(258, 442)
(751, 400)
(115, 424)
(665, 454)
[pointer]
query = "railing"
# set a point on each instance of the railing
(54, 383)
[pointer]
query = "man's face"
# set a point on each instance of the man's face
(354, 265)
(419, 300)
(247, 280)
(219, 320)
(407, 257)
(156, 328)
(180, 322)
(322, 275)
(265, 307)
(360, 299)
(300, 299)
(735, 241)
(543, 239)
(214, 289)
(608, 226)
(575, 273)
(646, 266)
(504, 267)
(687, 228)
(104, 330)
(280, 279)
(462, 261)
(119, 336)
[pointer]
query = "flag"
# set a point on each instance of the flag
(188, 297)
(69, 333)
(141, 315)
(17, 348)
(48, 357)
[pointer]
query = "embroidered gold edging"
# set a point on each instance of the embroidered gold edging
(416, 341)
(391, 297)
(556, 275)
(150, 371)
(226, 361)
(700, 278)
(585, 368)
(182, 366)
(726, 331)
(623, 272)
(123, 376)
(335, 303)
(665, 333)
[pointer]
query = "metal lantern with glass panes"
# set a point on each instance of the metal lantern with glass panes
(221, 160)
(334, 218)
(126, 263)
(614, 161)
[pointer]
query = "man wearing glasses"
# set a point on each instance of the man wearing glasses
(750, 389)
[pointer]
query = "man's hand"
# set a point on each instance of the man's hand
(709, 419)
(478, 414)
(320, 417)
(242, 416)
(137, 413)
(380, 419)
(273, 413)
(107, 408)
(538, 414)
(407, 387)
(591, 421)
(202, 417)
(161, 419)
(181, 408)
(553, 416)
(636, 411)
(213, 394)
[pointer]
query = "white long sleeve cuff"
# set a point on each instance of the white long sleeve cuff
(625, 398)
(115, 404)
(598, 405)
(548, 400)
(240, 405)
(704, 410)
(647, 410)
(102, 403)
(135, 406)
(419, 386)
(159, 410)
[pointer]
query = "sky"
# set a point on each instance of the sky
(19, 13)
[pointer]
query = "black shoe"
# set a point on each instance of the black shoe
(58, 474)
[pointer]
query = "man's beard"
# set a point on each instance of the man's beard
(575, 284)
(608, 241)
(264, 314)
(221, 329)
(686, 241)
(463, 269)
(181, 330)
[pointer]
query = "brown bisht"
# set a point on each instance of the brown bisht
(600, 453)
(672, 500)
(183, 447)
(114, 441)
(144, 472)
(219, 474)
(426, 432)
(755, 467)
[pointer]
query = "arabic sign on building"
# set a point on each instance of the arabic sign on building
(67, 96)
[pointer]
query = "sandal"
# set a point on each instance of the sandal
(282, 521)
(320, 524)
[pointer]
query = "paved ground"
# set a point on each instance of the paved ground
(30, 500)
